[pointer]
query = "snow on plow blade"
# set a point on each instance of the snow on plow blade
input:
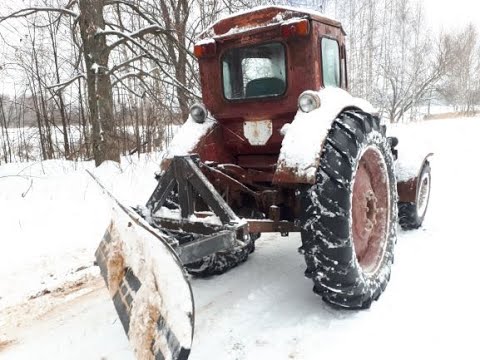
(148, 286)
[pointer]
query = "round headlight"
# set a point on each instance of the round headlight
(309, 101)
(198, 112)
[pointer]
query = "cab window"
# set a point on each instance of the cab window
(330, 63)
(254, 72)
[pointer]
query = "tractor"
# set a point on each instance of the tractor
(277, 145)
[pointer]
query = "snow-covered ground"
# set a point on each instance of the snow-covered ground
(52, 217)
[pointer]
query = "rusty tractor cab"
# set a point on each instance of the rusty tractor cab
(278, 145)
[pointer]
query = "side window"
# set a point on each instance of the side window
(330, 63)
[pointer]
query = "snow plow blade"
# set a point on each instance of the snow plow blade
(148, 286)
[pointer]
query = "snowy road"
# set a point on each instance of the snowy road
(265, 309)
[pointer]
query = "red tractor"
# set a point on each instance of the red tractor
(278, 145)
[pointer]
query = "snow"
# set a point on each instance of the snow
(206, 41)
(277, 19)
(304, 137)
(291, 21)
(52, 218)
(265, 308)
(175, 214)
(167, 213)
(187, 137)
(156, 268)
(95, 68)
(413, 148)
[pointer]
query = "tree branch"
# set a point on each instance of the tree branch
(32, 10)
(64, 84)
(153, 30)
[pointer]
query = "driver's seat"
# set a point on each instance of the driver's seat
(268, 86)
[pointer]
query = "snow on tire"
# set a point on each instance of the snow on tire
(411, 214)
(350, 214)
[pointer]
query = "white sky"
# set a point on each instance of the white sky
(448, 14)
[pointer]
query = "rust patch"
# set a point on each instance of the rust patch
(287, 175)
(115, 267)
(142, 337)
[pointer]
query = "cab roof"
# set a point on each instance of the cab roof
(263, 16)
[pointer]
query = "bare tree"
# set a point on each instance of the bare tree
(461, 87)
(101, 36)
(394, 61)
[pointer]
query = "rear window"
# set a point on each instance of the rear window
(254, 72)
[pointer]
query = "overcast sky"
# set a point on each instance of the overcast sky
(449, 14)
(440, 15)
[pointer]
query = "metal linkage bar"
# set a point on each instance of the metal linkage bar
(190, 179)
(208, 238)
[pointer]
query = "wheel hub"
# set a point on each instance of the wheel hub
(370, 209)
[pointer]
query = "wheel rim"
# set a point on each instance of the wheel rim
(370, 210)
(423, 194)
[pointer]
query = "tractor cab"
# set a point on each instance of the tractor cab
(254, 66)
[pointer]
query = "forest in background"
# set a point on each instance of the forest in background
(97, 79)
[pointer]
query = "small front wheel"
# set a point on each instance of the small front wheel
(411, 214)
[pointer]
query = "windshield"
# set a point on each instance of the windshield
(253, 72)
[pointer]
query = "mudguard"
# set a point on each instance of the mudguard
(148, 286)
(408, 170)
(305, 136)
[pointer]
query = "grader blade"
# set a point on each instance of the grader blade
(148, 286)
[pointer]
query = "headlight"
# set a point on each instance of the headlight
(198, 112)
(309, 101)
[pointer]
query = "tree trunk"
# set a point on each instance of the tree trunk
(100, 98)
(7, 150)
(61, 103)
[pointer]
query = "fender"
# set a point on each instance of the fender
(305, 136)
(408, 170)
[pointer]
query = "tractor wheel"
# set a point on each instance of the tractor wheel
(222, 261)
(411, 215)
(350, 215)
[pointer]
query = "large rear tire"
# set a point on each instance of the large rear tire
(350, 215)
